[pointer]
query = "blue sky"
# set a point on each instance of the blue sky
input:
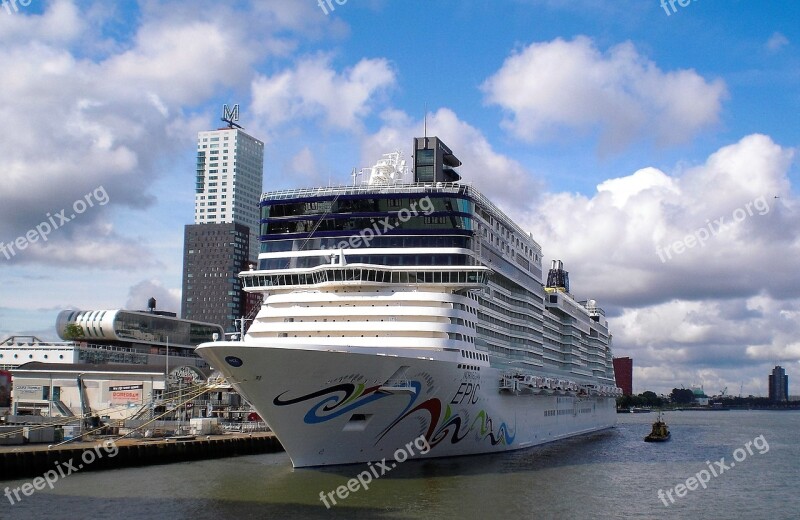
(611, 130)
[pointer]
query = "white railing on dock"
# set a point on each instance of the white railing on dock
(246, 427)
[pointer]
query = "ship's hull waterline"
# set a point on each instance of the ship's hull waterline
(331, 407)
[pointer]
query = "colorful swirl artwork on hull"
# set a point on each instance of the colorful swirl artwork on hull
(343, 398)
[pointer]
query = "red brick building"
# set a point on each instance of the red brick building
(623, 371)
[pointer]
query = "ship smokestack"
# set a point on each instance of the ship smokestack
(558, 278)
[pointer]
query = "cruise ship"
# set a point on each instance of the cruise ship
(408, 306)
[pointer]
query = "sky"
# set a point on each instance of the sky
(651, 148)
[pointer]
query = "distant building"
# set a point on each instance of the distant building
(73, 390)
(699, 395)
(5, 389)
(225, 237)
(114, 336)
(623, 371)
(119, 391)
(115, 364)
(136, 328)
(213, 257)
(778, 385)
(229, 180)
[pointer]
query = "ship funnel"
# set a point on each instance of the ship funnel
(558, 278)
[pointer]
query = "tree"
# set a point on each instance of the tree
(651, 399)
(73, 331)
(681, 395)
(647, 398)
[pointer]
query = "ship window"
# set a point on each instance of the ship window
(425, 173)
(424, 157)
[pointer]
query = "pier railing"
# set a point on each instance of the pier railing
(246, 427)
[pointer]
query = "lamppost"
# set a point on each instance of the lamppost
(242, 321)
(81, 398)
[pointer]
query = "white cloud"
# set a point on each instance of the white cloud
(303, 162)
(624, 188)
(113, 120)
(629, 218)
(728, 307)
(303, 167)
(167, 299)
(777, 41)
(504, 180)
(313, 89)
(556, 86)
(182, 63)
(60, 23)
(94, 246)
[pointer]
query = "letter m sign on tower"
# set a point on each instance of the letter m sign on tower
(231, 115)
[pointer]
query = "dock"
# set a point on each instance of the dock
(33, 460)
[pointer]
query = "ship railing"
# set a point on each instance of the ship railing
(593, 309)
(509, 382)
(461, 276)
(364, 188)
(218, 381)
(246, 427)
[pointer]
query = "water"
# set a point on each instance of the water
(612, 474)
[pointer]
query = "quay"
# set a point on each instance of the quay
(34, 460)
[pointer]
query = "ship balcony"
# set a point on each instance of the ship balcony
(451, 277)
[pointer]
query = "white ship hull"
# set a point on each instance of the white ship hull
(341, 406)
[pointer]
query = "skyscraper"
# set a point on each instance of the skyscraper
(213, 256)
(623, 372)
(778, 385)
(229, 181)
(224, 238)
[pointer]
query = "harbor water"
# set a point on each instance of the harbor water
(747, 460)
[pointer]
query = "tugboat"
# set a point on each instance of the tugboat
(660, 432)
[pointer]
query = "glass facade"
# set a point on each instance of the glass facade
(144, 328)
(384, 214)
(424, 165)
(213, 256)
(383, 204)
(303, 244)
(393, 260)
(346, 223)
